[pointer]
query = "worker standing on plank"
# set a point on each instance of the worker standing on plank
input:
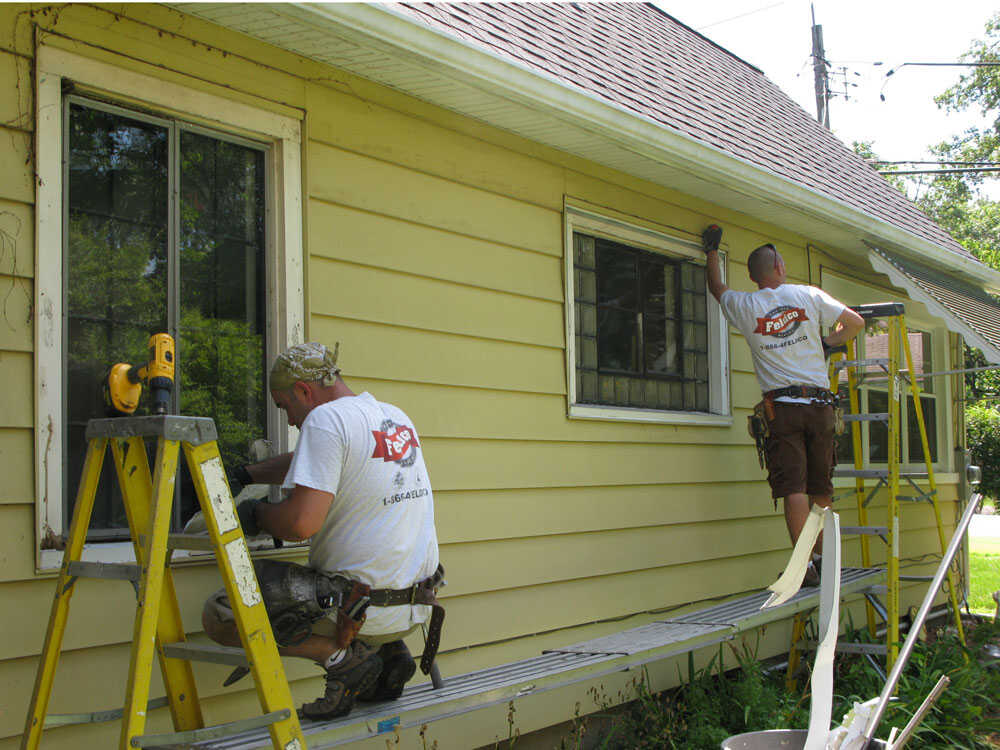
(358, 490)
(782, 323)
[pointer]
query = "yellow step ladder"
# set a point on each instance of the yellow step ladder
(148, 500)
(888, 367)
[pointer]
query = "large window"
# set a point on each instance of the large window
(645, 341)
(165, 228)
(179, 212)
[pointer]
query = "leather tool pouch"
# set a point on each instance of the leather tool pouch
(757, 426)
(351, 615)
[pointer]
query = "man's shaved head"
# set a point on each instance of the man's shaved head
(762, 261)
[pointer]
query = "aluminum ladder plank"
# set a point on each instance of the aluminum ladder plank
(554, 668)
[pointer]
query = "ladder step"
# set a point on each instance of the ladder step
(108, 571)
(878, 606)
(846, 647)
(93, 717)
(176, 739)
(869, 530)
(235, 657)
(199, 542)
(877, 474)
(916, 578)
(877, 589)
(845, 363)
(873, 417)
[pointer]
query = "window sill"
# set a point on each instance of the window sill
(123, 552)
(653, 416)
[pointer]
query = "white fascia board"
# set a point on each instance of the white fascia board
(400, 35)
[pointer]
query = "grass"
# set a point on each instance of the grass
(984, 579)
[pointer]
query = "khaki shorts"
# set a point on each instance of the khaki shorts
(801, 450)
(217, 608)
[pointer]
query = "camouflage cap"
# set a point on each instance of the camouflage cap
(306, 362)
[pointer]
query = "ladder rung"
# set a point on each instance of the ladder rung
(200, 542)
(845, 363)
(873, 417)
(878, 588)
(108, 571)
(869, 530)
(235, 657)
(916, 578)
(174, 739)
(846, 647)
(877, 605)
(877, 474)
(916, 498)
(93, 717)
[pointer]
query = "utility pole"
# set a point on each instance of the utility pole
(819, 73)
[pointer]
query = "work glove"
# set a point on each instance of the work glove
(238, 479)
(711, 237)
(828, 350)
(246, 511)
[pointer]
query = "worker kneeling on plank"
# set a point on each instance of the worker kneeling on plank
(794, 425)
(358, 490)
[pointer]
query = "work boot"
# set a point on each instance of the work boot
(397, 669)
(812, 575)
(356, 673)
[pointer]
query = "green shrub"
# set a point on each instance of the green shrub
(983, 431)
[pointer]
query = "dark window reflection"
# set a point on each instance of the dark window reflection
(118, 289)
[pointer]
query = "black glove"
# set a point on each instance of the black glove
(828, 350)
(238, 479)
(247, 513)
(711, 237)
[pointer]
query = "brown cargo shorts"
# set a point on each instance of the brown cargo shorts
(801, 450)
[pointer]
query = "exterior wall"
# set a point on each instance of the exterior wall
(435, 256)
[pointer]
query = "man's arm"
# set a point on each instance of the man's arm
(713, 275)
(297, 517)
(849, 325)
(270, 470)
(710, 240)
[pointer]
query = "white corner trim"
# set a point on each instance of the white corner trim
(936, 308)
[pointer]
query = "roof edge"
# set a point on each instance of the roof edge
(462, 61)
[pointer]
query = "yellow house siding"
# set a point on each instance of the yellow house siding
(435, 256)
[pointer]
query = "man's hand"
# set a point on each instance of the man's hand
(711, 238)
(238, 479)
(247, 513)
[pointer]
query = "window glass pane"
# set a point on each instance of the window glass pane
(586, 286)
(116, 272)
(878, 432)
(616, 276)
(916, 448)
(617, 340)
(583, 250)
(920, 351)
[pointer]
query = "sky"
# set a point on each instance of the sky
(775, 36)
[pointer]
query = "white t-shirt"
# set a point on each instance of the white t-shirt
(380, 527)
(783, 327)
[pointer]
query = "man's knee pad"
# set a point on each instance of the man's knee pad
(295, 597)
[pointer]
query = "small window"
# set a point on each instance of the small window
(642, 328)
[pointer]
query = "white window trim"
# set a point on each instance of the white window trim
(577, 219)
(285, 286)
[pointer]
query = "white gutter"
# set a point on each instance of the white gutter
(401, 36)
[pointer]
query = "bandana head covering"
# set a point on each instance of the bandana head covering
(306, 362)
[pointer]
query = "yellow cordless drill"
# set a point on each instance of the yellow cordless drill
(123, 384)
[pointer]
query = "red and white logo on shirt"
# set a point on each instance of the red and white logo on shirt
(781, 321)
(393, 442)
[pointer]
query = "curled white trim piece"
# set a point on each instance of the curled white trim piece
(790, 580)
(821, 707)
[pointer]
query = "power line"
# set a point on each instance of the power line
(960, 163)
(939, 171)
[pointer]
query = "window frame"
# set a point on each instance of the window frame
(630, 234)
(276, 126)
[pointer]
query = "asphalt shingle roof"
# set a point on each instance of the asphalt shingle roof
(637, 57)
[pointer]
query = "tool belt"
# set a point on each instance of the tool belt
(296, 597)
(758, 425)
(818, 395)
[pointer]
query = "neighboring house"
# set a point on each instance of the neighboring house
(496, 211)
